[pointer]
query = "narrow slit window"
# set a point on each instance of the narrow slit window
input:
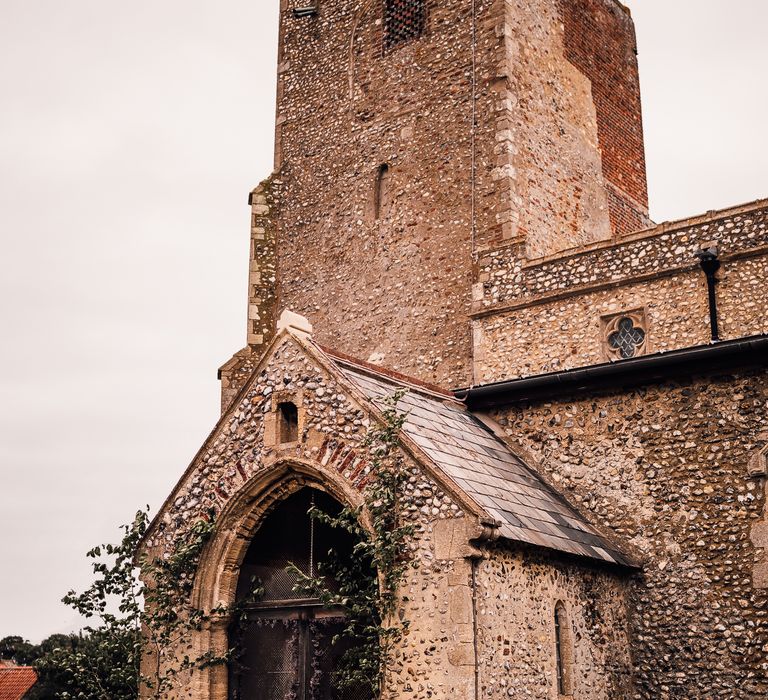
(563, 651)
(288, 416)
(404, 20)
(383, 192)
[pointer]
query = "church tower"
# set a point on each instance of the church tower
(416, 138)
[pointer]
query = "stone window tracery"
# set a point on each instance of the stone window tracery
(625, 335)
(627, 338)
(404, 20)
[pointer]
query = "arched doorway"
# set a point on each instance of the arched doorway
(286, 640)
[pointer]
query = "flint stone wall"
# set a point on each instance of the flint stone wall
(333, 427)
(667, 468)
(517, 591)
(438, 656)
(538, 317)
(430, 662)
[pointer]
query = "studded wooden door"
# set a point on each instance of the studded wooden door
(286, 648)
(290, 660)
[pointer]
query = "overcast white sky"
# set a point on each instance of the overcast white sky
(130, 136)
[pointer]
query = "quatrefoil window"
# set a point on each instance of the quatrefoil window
(627, 340)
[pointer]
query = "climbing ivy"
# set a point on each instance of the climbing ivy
(365, 587)
(169, 618)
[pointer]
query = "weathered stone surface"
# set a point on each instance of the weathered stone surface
(244, 467)
(540, 317)
(517, 592)
(665, 468)
(495, 126)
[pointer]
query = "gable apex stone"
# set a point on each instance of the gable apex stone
(294, 323)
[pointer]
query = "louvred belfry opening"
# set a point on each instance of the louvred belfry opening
(403, 20)
(285, 644)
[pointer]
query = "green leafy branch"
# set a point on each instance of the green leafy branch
(142, 610)
(365, 587)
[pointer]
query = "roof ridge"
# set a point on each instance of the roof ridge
(387, 373)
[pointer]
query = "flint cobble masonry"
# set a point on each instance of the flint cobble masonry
(666, 468)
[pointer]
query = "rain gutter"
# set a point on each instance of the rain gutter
(718, 357)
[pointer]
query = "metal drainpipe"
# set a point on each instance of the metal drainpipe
(710, 263)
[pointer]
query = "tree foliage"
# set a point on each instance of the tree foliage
(54, 659)
(19, 651)
(129, 620)
(94, 664)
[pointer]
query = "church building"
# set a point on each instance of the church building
(458, 214)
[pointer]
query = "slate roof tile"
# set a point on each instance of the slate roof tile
(459, 444)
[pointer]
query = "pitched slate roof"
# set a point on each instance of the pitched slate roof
(15, 682)
(483, 466)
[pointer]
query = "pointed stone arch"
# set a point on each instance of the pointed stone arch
(241, 517)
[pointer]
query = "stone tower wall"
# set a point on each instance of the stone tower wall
(393, 286)
(600, 41)
(496, 128)
(262, 290)
(570, 125)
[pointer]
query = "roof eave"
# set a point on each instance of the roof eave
(722, 356)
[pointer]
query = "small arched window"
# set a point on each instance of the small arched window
(383, 192)
(563, 651)
(288, 417)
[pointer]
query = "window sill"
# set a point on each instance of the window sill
(288, 445)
